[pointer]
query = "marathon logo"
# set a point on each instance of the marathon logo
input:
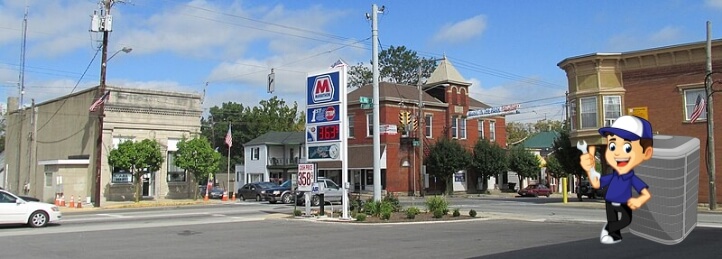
(323, 89)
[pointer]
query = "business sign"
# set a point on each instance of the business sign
(325, 88)
(324, 152)
(493, 111)
(388, 129)
(323, 114)
(326, 121)
(306, 177)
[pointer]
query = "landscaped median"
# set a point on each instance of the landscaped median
(141, 204)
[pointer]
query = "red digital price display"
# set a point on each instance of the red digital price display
(327, 132)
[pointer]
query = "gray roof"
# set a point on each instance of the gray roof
(445, 72)
(278, 138)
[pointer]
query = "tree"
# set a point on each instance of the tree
(555, 168)
(567, 154)
(524, 163)
(488, 158)
(138, 158)
(248, 123)
(397, 65)
(445, 158)
(547, 125)
(516, 132)
(197, 157)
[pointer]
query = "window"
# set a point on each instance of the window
(121, 176)
(350, 126)
(175, 173)
(462, 128)
(492, 131)
(480, 128)
(428, 118)
(255, 153)
(588, 112)
(690, 98)
(573, 114)
(370, 123)
(48, 179)
(454, 127)
(612, 109)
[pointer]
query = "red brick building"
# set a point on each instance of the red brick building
(446, 102)
(661, 84)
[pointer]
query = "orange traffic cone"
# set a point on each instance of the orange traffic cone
(79, 204)
(234, 197)
(205, 198)
(62, 200)
(57, 199)
(225, 196)
(72, 202)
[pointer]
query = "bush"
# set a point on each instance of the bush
(297, 213)
(386, 208)
(472, 213)
(372, 208)
(393, 200)
(456, 212)
(353, 213)
(360, 217)
(437, 203)
(386, 215)
(446, 211)
(438, 214)
(356, 205)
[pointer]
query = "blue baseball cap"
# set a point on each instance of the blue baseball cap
(630, 128)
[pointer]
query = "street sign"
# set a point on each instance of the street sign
(306, 177)
(323, 114)
(366, 102)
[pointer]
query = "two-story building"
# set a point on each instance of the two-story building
(446, 104)
(660, 84)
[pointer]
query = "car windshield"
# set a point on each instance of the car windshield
(286, 184)
(267, 185)
(217, 189)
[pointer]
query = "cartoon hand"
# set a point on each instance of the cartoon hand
(634, 203)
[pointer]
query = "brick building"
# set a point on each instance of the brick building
(661, 84)
(446, 102)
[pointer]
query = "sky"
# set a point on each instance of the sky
(225, 49)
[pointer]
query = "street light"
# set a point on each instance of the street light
(124, 49)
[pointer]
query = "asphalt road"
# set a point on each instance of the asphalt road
(254, 230)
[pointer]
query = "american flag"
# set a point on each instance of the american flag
(699, 107)
(100, 101)
(229, 137)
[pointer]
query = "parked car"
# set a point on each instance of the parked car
(26, 198)
(254, 190)
(280, 193)
(216, 193)
(535, 190)
(16, 210)
(331, 193)
(585, 189)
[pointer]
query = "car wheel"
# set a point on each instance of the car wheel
(243, 198)
(315, 200)
(258, 197)
(548, 194)
(38, 219)
(286, 198)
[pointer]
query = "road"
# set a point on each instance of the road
(251, 230)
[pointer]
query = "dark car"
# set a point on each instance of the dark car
(216, 193)
(281, 193)
(254, 190)
(585, 189)
(535, 190)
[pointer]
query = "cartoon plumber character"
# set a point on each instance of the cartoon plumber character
(629, 143)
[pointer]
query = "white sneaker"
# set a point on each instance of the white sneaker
(608, 240)
(604, 232)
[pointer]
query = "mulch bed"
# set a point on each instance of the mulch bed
(421, 217)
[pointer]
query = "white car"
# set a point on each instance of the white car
(15, 210)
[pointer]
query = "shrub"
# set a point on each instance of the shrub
(372, 208)
(297, 213)
(393, 200)
(472, 213)
(356, 205)
(360, 217)
(446, 211)
(386, 208)
(456, 212)
(353, 213)
(436, 203)
(411, 212)
(438, 214)
(386, 215)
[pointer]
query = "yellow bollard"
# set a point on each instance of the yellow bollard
(564, 189)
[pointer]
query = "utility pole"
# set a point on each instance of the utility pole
(21, 79)
(376, 134)
(421, 135)
(710, 122)
(103, 24)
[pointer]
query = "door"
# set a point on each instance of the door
(11, 212)
(148, 184)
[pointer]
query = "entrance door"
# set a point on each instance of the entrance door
(148, 184)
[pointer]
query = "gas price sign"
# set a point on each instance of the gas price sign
(320, 133)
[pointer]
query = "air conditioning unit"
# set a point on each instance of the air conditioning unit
(673, 178)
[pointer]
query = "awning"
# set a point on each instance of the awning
(360, 157)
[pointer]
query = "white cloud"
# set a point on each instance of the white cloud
(666, 34)
(536, 101)
(461, 31)
(630, 41)
(714, 3)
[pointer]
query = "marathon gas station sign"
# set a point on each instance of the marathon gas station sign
(326, 115)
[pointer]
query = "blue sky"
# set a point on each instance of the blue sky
(507, 49)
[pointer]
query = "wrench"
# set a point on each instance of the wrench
(582, 146)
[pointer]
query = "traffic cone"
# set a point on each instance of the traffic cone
(72, 201)
(205, 198)
(62, 200)
(225, 196)
(57, 199)
(234, 197)
(79, 205)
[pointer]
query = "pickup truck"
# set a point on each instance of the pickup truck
(331, 193)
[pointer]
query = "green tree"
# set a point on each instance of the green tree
(445, 158)
(555, 168)
(248, 123)
(488, 158)
(397, 65)
(567, 154)
(138, 158)
(516, 132)
(547, 125)
(523, 162)
(198, 158)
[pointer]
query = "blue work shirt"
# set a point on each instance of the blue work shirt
(620, 186)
